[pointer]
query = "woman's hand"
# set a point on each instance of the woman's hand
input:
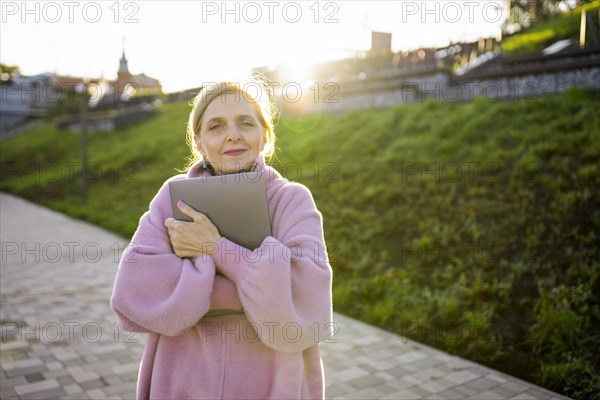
(191, 239)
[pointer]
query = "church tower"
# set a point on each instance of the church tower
(123, 75)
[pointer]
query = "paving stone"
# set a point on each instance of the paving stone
(451, 394)
(73, 362)
(96, 394)
(14, 345)
(40, 386)
(384, 365)
(367, 367)
(513, 387)
(368, 393)
(64, 355)
(120, 389)
(428, 362)
(366, 381)
(435, 386)
(411, 356)
(385, 376)
(430, 374)
(25, 371)
(367, 340)
(488, 395)
(112, 380)
(350, 374)
(460, 377)
(92, 384)
(59, 373)
(130, 377)
(22, 364)
(341, 387)
(72, 388)
(10, 382)
(442, 357)
(80, 375)
(78, 396)
(65, 380)
(7, 391)
(130, 395)
(399, 371)
(421, 392)
(482, 384)
(525, 396)
(90, 359)
(402, 395)
(465, 390)
(496, 378)
(385, 389)
(540, 393)
(400, 384)
(413, 379)
(54, 365)
(34, 377)
(44, 395)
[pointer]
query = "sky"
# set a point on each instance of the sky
(186, 43)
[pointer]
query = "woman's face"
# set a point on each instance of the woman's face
(231, 135)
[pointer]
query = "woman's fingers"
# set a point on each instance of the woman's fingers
(196, 216)
(189, 239)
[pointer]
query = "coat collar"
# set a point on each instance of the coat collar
(196, 170)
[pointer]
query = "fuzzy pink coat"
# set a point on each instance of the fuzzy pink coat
(269, 349)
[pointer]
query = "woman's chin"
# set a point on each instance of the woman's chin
(235, 167)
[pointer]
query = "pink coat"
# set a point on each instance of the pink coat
(267, 350)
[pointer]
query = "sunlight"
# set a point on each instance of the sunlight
(182, 47)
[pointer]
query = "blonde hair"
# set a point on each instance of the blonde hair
(263, 101)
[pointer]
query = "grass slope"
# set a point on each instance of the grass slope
(544, 33)
(473, 227)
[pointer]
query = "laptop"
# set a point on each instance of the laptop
(235, 203)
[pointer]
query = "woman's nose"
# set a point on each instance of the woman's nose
(233, 134)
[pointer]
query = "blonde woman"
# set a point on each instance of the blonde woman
(224, 321)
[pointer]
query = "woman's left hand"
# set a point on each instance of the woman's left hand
(191, 239)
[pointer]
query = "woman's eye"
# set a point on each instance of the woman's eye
(215, 126)
(247, 123)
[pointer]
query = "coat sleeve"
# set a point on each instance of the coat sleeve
(285, 284)
(155, 290)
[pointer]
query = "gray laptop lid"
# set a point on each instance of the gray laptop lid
(235, 203)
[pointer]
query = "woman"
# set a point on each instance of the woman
(224, 321)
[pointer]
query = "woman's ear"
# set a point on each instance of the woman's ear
(199, 146)
(263, 143)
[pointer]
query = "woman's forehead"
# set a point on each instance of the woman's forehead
(230, 104)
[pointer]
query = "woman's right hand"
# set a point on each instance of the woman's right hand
(192, 239)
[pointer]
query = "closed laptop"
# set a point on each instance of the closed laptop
(235, 203)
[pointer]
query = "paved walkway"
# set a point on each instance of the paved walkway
(59, 338)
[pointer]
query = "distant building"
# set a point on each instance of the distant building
(381, 41)
(24, 99)
(143, 85)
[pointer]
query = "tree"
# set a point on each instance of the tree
(7, 72)
(525, 12)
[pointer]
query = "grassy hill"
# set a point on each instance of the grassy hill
(473, 227)
(544, 33)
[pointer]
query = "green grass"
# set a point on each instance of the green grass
(472, 227)
(544, 33)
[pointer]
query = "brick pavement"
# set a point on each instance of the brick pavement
(59, 338)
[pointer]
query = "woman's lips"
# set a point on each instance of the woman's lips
(234, 152)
